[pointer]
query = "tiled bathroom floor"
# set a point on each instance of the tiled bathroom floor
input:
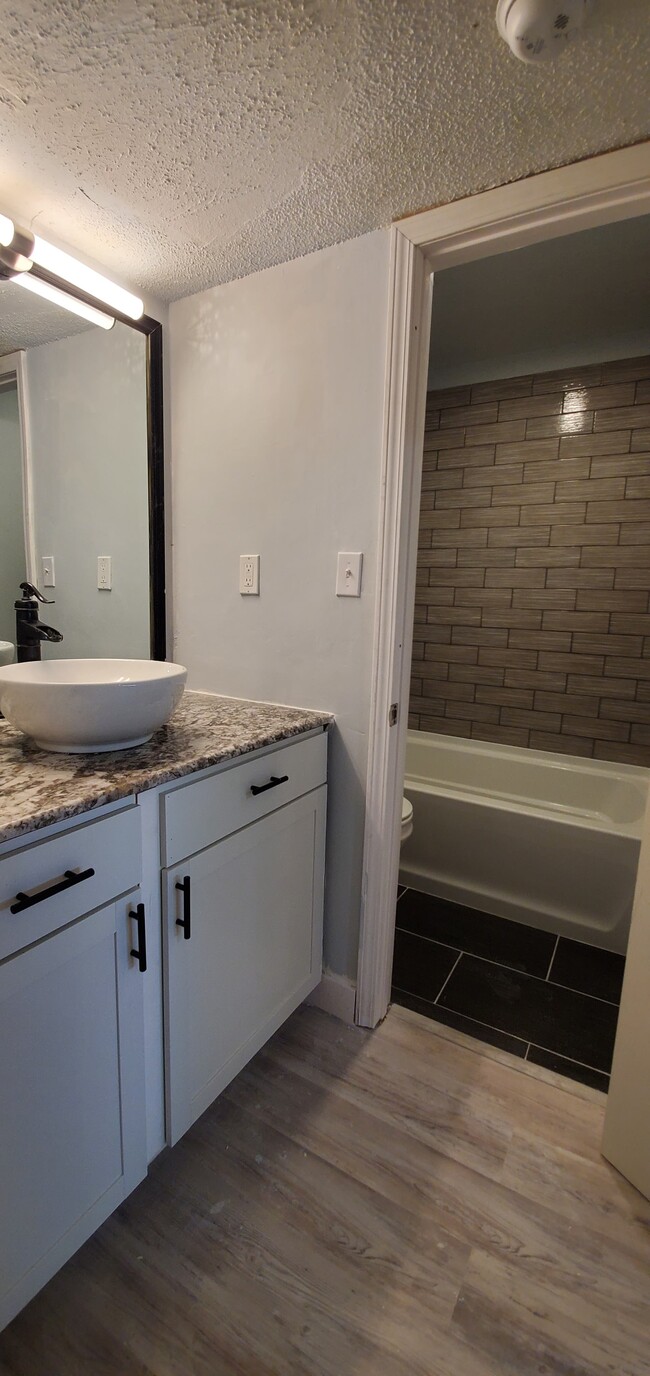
(545, 998)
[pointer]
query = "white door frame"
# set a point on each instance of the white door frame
(14, 367)
(613, 186)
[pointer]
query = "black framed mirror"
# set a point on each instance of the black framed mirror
(82, 472)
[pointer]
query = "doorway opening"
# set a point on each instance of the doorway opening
(529, 740)
(598, 192)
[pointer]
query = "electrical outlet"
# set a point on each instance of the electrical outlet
(249, 575)
(47, 571)
(104, 572)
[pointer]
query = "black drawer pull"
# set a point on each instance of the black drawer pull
(186, 920)
(141, 953)
(28, 900)
(272, 783)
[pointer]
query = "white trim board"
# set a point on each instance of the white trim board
(613, 186)
(15, 365)
(336, 995)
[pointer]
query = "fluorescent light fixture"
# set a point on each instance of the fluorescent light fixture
(78, 275)
(60, 298)
(6, 230)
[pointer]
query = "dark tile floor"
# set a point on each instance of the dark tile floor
(547, 999)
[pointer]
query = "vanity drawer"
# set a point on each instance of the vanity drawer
(110, 847)
(200, 813)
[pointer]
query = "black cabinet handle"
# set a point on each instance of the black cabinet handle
(140, 954)
(186, 920)
(272, 783)
(28, 900)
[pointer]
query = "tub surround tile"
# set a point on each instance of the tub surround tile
(501, 391)
(597, 398)
(38, 787)
(568, 378)
(544, 498)
(543, 997)
(562, 745)
(616, 417)
(640, 440)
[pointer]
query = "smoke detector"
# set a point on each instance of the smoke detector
(539, 30)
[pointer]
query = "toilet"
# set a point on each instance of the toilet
(407, 819)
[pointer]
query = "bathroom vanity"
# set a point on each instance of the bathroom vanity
(160, 916)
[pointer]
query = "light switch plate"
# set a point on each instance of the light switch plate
(348, 575)
(47, 571)
(249, 575)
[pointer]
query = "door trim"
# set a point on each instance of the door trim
(600, 190)
(13, 367)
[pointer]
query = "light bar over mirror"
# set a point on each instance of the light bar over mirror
(63, 265)
(22, 253)
(61, 298)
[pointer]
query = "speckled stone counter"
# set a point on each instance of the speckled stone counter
(38, 787)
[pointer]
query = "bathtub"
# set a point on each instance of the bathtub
(550, 840)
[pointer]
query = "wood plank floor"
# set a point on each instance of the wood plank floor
(401, 1202)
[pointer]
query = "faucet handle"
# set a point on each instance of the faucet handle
(30, 591)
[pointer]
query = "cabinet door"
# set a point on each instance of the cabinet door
(72, 1130)
(253, 953)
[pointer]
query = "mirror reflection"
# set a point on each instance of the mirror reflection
(74, 507)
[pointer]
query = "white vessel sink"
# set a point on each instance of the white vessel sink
(76, 706)
(6, 651)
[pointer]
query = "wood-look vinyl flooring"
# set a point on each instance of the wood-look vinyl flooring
(403, 1202)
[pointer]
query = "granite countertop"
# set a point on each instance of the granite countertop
(38, 787)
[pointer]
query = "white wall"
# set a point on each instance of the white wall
(87, 403)
(12, 538)
(277, 387)
(579, 299)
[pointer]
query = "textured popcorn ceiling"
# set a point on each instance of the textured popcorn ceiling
(26, 320)
(183, 144)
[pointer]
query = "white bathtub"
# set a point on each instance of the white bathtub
(549, 840)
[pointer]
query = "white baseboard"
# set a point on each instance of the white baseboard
(335, 994)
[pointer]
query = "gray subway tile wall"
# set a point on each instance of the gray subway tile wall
(532, 610)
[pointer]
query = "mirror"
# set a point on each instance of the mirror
(81, 506)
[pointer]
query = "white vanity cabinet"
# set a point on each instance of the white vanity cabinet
(72, 1124)
(228, 863)
(242, 915)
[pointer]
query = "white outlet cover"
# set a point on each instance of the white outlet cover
(104, 572)
(249, 575)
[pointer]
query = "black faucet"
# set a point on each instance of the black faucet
(29, 630)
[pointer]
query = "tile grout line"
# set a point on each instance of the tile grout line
(550, 967)
(571, 1059)
(466, 1018)
(433, 941)
(502, 1031)
(514, 969)
(611, 1003)
(446, 982)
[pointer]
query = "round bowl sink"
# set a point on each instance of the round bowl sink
(75, 706)
(6, 651)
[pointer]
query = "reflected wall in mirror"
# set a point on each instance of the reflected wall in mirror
(75, 472)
